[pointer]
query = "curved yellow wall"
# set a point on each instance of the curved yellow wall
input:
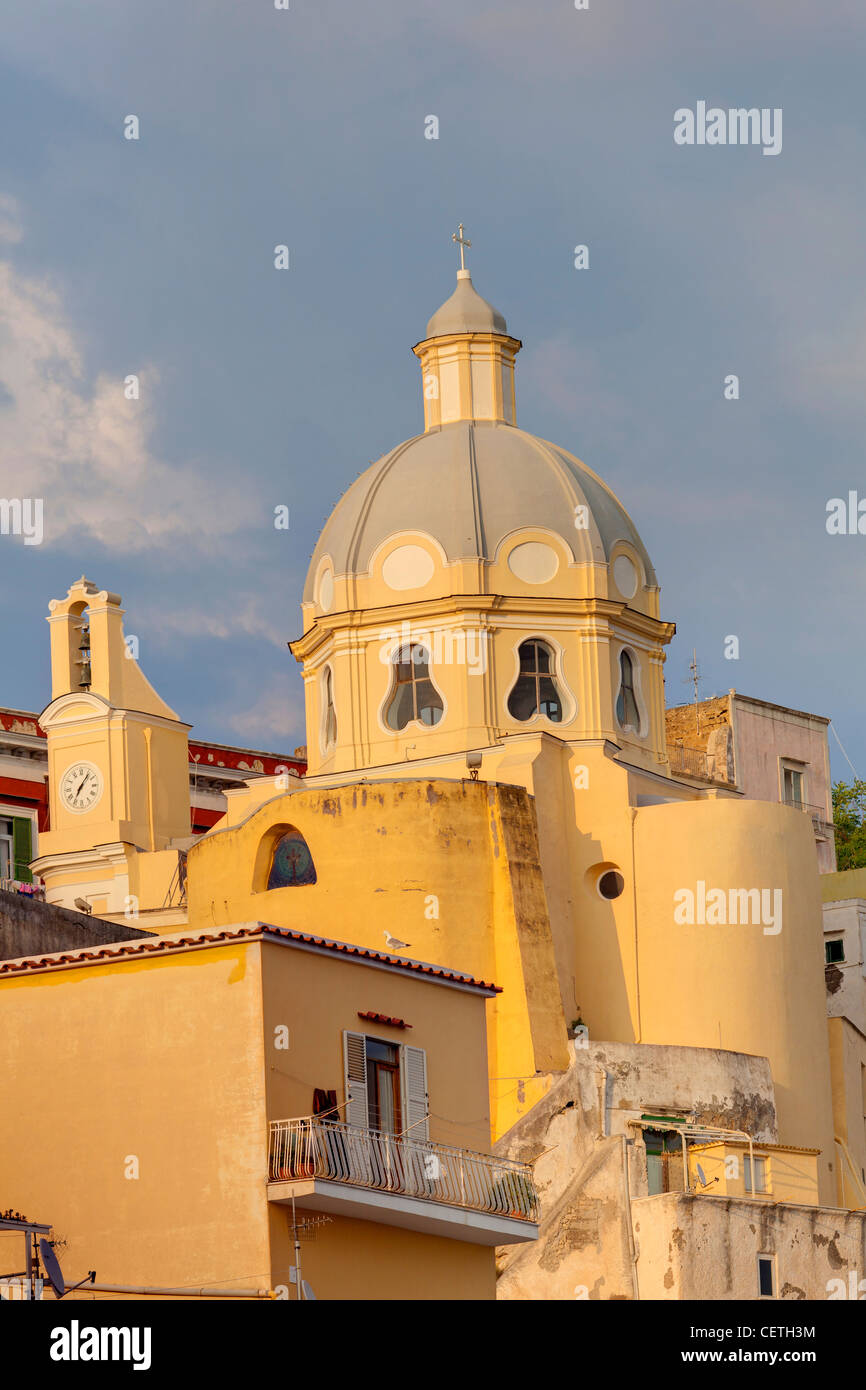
(739, 987)
(449, 868)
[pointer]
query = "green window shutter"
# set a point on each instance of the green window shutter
(22, 847)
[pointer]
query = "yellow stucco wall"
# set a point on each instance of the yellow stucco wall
(448, 867)
(848, 1071)
(734, 986)
(173, 1063)
(156, 1059)
(317, 996)
(791, 1175)
(363, 1259)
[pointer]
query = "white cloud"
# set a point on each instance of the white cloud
(274, 721)
(227, 615)
(84, 449)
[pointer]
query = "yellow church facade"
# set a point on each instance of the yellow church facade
(489, 791)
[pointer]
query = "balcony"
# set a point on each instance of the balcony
(692, 761)
(401, 1181)
(821, 826)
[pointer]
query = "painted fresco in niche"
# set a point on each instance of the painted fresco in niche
(292, 863)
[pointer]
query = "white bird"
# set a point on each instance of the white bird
(393, 943)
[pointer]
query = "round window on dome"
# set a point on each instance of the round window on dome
(408, 567)
(533, 562)
(625, 576)
(325, 589)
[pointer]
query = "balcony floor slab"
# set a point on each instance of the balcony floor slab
(394, 1209)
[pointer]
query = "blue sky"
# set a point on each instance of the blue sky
(260, 387)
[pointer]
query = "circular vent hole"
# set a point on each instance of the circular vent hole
(611, 884)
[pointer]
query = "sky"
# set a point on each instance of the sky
(262, 388)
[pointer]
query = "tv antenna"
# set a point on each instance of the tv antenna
(38, 1249)
(303, 1230)
(694, 679)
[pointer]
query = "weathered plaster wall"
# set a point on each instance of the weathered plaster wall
(696, 1247)
(578, 1133)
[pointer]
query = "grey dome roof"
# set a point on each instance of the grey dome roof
(465, 312)
(469, 485)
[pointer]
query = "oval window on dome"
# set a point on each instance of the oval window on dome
(625, 576)
(408, 567)
(533, 562)
(325, 594)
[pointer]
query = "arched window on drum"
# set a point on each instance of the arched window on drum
(291, 862)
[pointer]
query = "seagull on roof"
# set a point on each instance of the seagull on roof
(394, 943)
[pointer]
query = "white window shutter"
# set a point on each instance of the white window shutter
(355, 1060)
(413, 1073)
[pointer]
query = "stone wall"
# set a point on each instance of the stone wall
(691, 726)
(29, 927)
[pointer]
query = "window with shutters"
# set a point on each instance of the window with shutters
(386, 1086)
(16, 847)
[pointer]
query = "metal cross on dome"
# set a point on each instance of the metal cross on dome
(462, 242)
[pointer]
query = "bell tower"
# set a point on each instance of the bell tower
(118, 780)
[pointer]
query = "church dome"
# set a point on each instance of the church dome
(469, 485)
(465, 312)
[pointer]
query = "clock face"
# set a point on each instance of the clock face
(81, 787)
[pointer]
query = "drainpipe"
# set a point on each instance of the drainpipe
(857, 1183)
(632, 811)
(178, 1293)
(601, 1081)
(632, 1249)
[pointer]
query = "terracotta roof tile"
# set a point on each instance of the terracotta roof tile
(173, 944)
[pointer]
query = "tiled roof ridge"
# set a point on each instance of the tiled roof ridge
(171, 944)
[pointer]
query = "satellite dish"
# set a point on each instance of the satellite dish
(307, 1289)
(52, 1268)
(702, 1177)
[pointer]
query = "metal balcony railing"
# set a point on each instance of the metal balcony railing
(312, 1148)
(691, 760)
(820, 822)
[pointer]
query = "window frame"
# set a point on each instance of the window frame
(412, 1075)
(568, 704)
(394, 685)
(795, 768)
(329, 710)
(20, 813)
(762, 1174)
(636, 692)
(765, 1258)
